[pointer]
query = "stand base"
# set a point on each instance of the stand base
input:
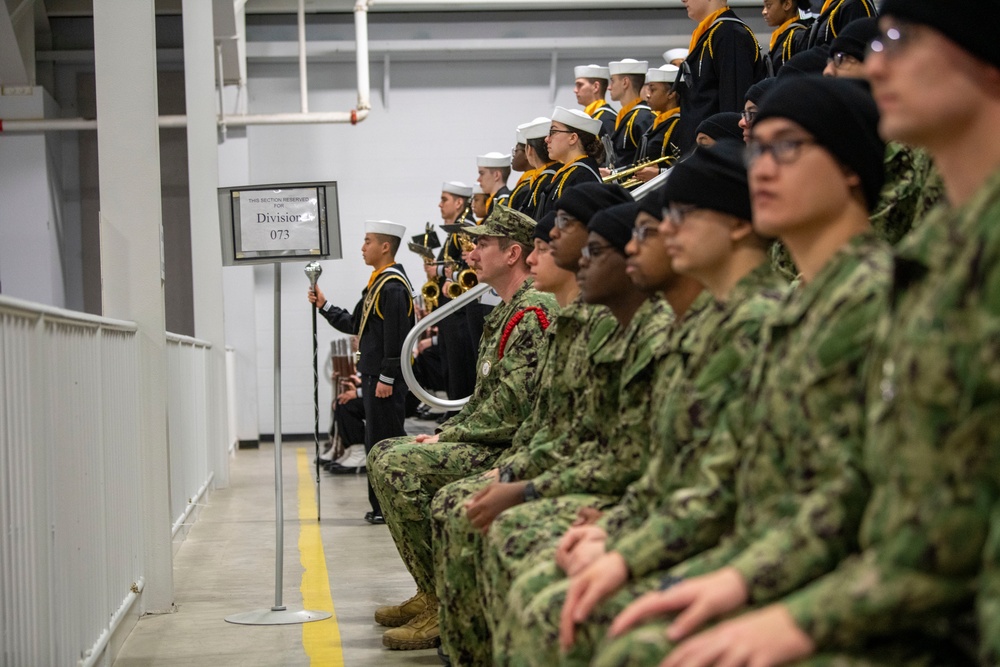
(279, 617)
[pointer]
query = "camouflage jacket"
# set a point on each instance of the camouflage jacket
(933, 424)
(592, 460)
(912, 188)
(684, 501)
(800, 490)
(505, 388)
(576, 329)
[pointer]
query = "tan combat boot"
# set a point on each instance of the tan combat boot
(397, 615)
(420, 632)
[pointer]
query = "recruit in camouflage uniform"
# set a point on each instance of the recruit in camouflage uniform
(800, 488)
(593, 474)
(912, 188)
(717, 357)
(931, 449)
(579, 333)
(406, 474)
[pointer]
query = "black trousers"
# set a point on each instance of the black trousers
(459, 355)
(383, 419)
(350, 420)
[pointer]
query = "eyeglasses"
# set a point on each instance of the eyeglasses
(784, 151)
(553, 131)
(749, 115)
(563, 221)
(839, 58)
(643, 232)
(593, 251)
(675, 213)
(893, 40)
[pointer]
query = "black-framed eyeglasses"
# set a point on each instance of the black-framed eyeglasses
(749, 115)
(676, 213)
(563, 221)
(891, 41)
(643, 232)
(784, 151)
(839, 58)
(553, 131)
(593, 250)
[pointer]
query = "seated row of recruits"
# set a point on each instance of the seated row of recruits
(812, 467)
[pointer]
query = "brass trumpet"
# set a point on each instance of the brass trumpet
(431, 293)
(465, 281)
(623, 176)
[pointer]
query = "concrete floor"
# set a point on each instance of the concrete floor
(226, 565)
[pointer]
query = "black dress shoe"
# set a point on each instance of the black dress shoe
(445, 660)
(374, 519)
(343, 470)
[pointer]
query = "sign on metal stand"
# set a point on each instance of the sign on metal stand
(271, 224)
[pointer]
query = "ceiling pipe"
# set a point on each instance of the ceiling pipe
(354, 116)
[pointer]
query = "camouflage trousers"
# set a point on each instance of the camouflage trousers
(473, 572)
(647, 645)
(528, 632)
(405, 475)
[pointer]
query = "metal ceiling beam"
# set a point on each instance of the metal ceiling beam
(17, 43)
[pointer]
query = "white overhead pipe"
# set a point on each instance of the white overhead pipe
(354, 116)
(303, 81)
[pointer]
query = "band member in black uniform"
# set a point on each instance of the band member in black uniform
(836, 14)
(381, 320)
(537, 151)
(634, 118)
(521, 193)
(572, 140)
(591, 89)
(658, 142)
(725, 60)
(478, 203)
(791, 31)
(494, 170)
(457, 348)
(428, 367)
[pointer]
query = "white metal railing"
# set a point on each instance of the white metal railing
(71, 534)
(193, 386)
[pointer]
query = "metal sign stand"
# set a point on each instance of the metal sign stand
(278, 614)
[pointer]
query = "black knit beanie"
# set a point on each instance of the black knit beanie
(712, 177)
(855, 37)
(841, 115)
(584, 200)
(544, 227)
(810, 62)
(615, 224)
(756, 92)
(970, 24)
(652, 203)
(725, 125)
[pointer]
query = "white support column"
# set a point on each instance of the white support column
(128, 152)
(203, 179)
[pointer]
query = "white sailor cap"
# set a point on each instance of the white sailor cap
(664, 74)
(591, 72)
(385, 227)
(493, 160)
(536, 129)
(577, 120)
(457, 188)
(671, 55)
(628, 66)
(519, 136)
(477, 189)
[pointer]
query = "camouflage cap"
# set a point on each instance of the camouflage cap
(505, 221)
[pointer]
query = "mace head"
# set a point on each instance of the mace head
(313, 271)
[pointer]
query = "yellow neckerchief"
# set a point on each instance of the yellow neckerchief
(564, 172)
(704, 25)
(540, 181)
(625, 109)
(375, 274)
(665, 116)
(777, 33)
(826, 6)
(592, 108)
(527, 177)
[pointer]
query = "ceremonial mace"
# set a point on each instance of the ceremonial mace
(313, 271)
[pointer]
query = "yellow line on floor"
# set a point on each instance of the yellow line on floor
(321, 639)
